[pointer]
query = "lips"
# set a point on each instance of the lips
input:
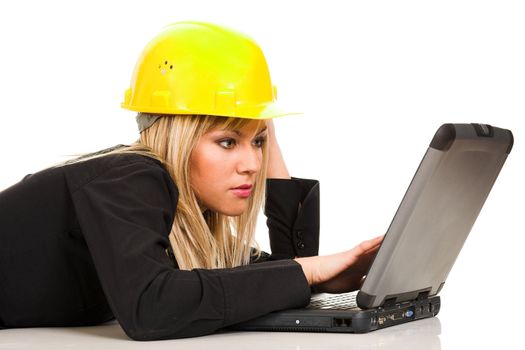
(242, 191)
(243, 187)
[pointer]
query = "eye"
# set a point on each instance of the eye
(259, 142)
(227, 143)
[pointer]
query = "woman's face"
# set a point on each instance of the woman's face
(222, 162)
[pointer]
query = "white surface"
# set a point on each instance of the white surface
(421, 334)
(375, 80)
(414, 336)
(430, 334)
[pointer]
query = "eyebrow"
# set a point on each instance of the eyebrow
(260, 132)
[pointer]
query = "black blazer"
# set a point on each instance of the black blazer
(88, 242)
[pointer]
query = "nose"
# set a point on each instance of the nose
(250, 160)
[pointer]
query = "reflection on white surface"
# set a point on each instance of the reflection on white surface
(422, 334)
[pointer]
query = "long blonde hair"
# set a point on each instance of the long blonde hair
(199, 240)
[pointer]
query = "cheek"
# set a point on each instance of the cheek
(208, 169)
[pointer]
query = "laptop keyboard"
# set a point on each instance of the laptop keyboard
(344, 301)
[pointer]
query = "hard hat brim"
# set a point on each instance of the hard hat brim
(266, 111)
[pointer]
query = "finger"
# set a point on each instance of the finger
(372, 250)
(365, 246)
(375, 243)
(378, 238)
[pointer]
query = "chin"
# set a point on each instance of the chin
(232, 211)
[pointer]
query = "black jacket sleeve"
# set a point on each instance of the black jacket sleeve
(292, 211)
(126, 214)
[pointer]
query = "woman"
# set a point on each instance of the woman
(160, 234)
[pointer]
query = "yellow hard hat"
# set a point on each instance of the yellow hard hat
(203, 68)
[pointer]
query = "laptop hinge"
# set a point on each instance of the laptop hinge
(421, 294)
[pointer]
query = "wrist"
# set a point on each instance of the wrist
(306, 271)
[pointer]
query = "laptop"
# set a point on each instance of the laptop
(422, 243)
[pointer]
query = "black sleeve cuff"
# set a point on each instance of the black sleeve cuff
(292, 211)
(264, 283)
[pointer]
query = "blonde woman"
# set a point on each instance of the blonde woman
(159, 234)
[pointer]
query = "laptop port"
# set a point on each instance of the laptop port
(396, 316)
(343, 322)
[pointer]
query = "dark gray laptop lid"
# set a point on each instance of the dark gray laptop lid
(436, 214)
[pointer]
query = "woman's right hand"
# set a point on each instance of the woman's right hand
(341, 272)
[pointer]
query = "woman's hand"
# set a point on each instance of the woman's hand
(271, 129)
(276, 165)
(341, 272)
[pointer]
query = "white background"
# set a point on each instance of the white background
(375, 79)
